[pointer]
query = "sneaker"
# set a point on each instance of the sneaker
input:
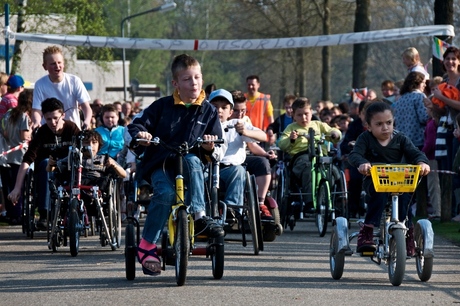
(366, 239)
(265, 213)
(410, 244)
(207, 226)
(456, 218)
(41, 224)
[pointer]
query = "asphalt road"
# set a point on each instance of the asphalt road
(292, 270)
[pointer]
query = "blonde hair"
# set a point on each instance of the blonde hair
(50, 51)
(412, 54)
(3, 78)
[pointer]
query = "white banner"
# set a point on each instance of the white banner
(237, 44)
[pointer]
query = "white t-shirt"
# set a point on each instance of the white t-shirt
(419, 68)
(236, 144)
(70, 91)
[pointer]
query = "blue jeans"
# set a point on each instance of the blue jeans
(164, 196)
(232, 180)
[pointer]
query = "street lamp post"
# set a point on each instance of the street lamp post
(164, 8)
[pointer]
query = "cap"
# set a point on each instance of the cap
(221, 93)
(15, 81)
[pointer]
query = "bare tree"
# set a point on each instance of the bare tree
(362, 23)
(17, 55)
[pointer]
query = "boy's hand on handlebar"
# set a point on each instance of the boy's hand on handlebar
(208, 146)
(144, 135)
(424, 169)
(365, 169)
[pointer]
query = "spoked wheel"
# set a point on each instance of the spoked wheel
(252, 213)
(74, 227)
(217, 257)
(28, 212)
(423, 262)
(339, 193)
(397, 258)
(54, 232)
(114, 219)
(322, 207)
(336, 258)
(181, 246)
(257, 214)
(130, 252)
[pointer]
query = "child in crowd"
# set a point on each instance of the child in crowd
(295, 142)
(111, 132)
(236, 135)
(184, 116)
(382, 144)
(15, 85)
(282, 121)
(388, 91)
(52, 139)
(97, 168)
(411, 59)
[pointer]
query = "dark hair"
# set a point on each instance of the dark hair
(182, 62)
(90, 135)
(412, 82)
(210, 88)
(301, 103)
(375, 108)
(108, 108)
(453, 50)
(238, 96)
(344, 107)
(253, 77)
(52, 104)
(24, 106)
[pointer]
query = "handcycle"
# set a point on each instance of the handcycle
(328, 185)
(178, 240)
(69, 216)
(390, 238)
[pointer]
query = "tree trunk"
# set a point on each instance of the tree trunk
(326, 73)
(443, 14)
(17, 45)
(362, 23)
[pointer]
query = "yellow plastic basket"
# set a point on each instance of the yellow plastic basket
(395, 177)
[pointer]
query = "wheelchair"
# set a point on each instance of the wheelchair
(243, 219)
(329, 192)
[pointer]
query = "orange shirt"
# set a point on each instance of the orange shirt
(259, 110)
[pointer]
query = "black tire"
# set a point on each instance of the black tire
(114, 218)
(54, 231)
(339, 193)
(336, 259)
(28, 221)
(423, 264)
(217, 257)
(74, 227)
(130, 252)
(181, 246)
(252, 209)
(322, 207)
(257, 214)
(397, 257)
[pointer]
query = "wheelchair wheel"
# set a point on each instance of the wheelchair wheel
(322, 207)
(252, 213)
(423, 262)
(336, 258)
(217, 257)
(397, 258)
(74, 227)
(130, 252)
(181, 246)
(28, 208)
(114, 218)
(339, 193)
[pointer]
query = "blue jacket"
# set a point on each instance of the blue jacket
(113, 140)
(174, 123)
